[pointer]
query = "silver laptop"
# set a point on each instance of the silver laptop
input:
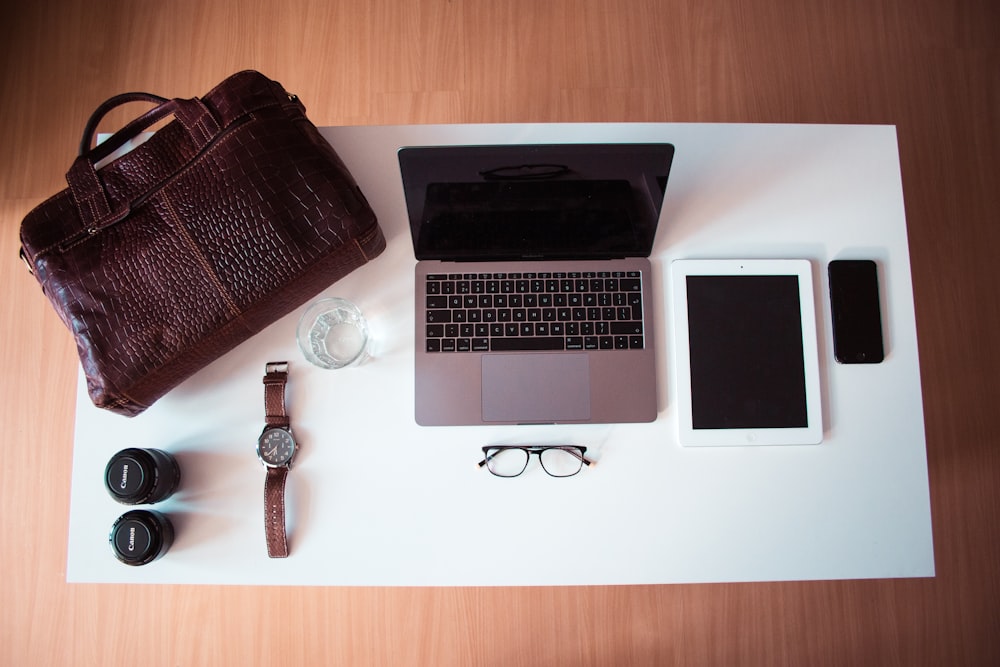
(533, 285)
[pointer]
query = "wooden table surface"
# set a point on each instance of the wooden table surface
(930, 67)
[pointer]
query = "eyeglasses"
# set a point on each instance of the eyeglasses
(556, 460)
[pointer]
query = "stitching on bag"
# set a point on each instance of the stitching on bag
(361, 247)
(372, 233)
(124, 400)
(206, 267)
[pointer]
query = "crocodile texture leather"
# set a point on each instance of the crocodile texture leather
(226, 219)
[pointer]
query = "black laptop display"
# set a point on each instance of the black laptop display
(531, 202)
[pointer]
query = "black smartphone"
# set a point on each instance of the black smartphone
(857, 316)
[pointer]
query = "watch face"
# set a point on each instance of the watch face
(276, 447)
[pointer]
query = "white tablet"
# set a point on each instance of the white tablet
(746, 358)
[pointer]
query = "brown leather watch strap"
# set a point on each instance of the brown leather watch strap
(274, 394)
(274, 512)
(275, 379)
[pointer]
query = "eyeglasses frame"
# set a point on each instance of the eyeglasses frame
(576, 450)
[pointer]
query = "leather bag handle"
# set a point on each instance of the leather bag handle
(89, 130)
(93, 204)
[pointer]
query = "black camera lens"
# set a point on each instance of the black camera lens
(139, 537)
(139, 476)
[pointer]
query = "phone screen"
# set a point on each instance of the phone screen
(857, 316)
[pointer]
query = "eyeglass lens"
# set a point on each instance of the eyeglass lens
(560, 462)
(557, 461)
(507, 462)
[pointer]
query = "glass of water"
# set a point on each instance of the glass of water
(332, 333)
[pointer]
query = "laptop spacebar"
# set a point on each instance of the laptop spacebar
(526, 344)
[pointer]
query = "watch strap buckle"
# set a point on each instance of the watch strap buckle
(276, 367)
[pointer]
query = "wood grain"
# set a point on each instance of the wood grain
(931, 67)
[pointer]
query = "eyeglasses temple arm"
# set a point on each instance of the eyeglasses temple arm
(576, 452)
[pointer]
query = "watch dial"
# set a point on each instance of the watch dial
(276, 447)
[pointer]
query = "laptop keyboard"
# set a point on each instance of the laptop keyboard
(494, 312)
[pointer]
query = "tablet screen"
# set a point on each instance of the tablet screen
(747, 364)
(745, 336)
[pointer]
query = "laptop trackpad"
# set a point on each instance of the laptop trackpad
(536, 387)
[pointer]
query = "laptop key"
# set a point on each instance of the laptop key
(526, 344)
(626, 328)
(630, 284)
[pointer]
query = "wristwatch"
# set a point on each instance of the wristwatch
(275, 449)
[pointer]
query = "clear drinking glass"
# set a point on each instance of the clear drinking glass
(332, 333)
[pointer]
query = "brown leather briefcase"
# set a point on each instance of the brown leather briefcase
(230, 216)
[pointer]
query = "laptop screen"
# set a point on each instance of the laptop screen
(568, 201)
